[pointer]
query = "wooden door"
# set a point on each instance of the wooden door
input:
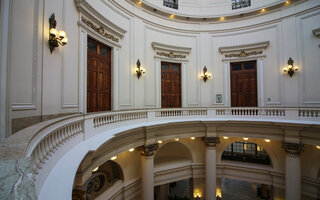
(98, 77)
(243, 84)
(170, 85)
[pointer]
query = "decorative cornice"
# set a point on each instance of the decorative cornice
(170, 55)
(211, 141)
(169, 48)
(243, 54)
(246, 47)
(99, 30)
(148, 150)
(293, 148)
(87, 10)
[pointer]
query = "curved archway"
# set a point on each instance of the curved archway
(173, 151)
(101, 179)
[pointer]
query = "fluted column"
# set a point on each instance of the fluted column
(210, 167)
(293, 170)
(147, 179)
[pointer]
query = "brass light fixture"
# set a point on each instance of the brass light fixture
(205, 76)
(290, 69)
(140, 70)
(56, 37)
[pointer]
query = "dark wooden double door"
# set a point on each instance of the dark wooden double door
(170, 85)
(98, 77)
(243, 84)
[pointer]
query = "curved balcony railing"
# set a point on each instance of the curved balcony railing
(42, 140)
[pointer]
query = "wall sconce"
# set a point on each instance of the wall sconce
(197, 196)
(56, 37)
(290, 69)
(140, 70)
(205, 76)
(219, 196)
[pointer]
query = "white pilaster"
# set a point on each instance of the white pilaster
(260, 63)
(5, 7)
(83, 72)
(184, 85)
(227, 84)
(115, 79)
(158, 84)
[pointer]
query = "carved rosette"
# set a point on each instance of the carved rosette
(293, 148)
(148, 150)
(211, 141)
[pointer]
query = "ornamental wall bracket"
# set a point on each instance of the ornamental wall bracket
(170, 51)
(170, 54)
(293, 148)
(242, 51)
(99, 30)
(244, 54)
(211, 141)
(148, 150)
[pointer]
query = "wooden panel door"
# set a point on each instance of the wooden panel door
(98, 77)
(170, 85)
(243, 84)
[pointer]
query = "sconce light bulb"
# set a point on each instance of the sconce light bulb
(62, 34)
(285, 69)
(64, 41)
(296, 68)
(209, 75)
(290, 67)
(201, 75)
(53, 31)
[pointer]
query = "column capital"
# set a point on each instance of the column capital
(148, 150)
(211, 141)
(293, 148)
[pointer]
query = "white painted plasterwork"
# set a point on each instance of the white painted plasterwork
(173, 54)
(4, 69)
(33, 104)
(88, 14)
(241, 53)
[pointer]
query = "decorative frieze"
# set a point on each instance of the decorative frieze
(170, 55)
(148, 150)
(243, 54)
(211, 141)
(293, 148)
(99, 30)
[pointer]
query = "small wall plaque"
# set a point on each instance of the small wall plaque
(219, 98)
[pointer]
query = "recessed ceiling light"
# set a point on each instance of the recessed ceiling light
(192, 138)
(287, 2)
(221, 18)
(318, 147)
(113, 157)
(139, 2)
(172, 16)
(95, 169)
(263, 10)
(245, 138)
(267, 140)
(177, 139)
(160, 141)
(225, 137)
(131, 149)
